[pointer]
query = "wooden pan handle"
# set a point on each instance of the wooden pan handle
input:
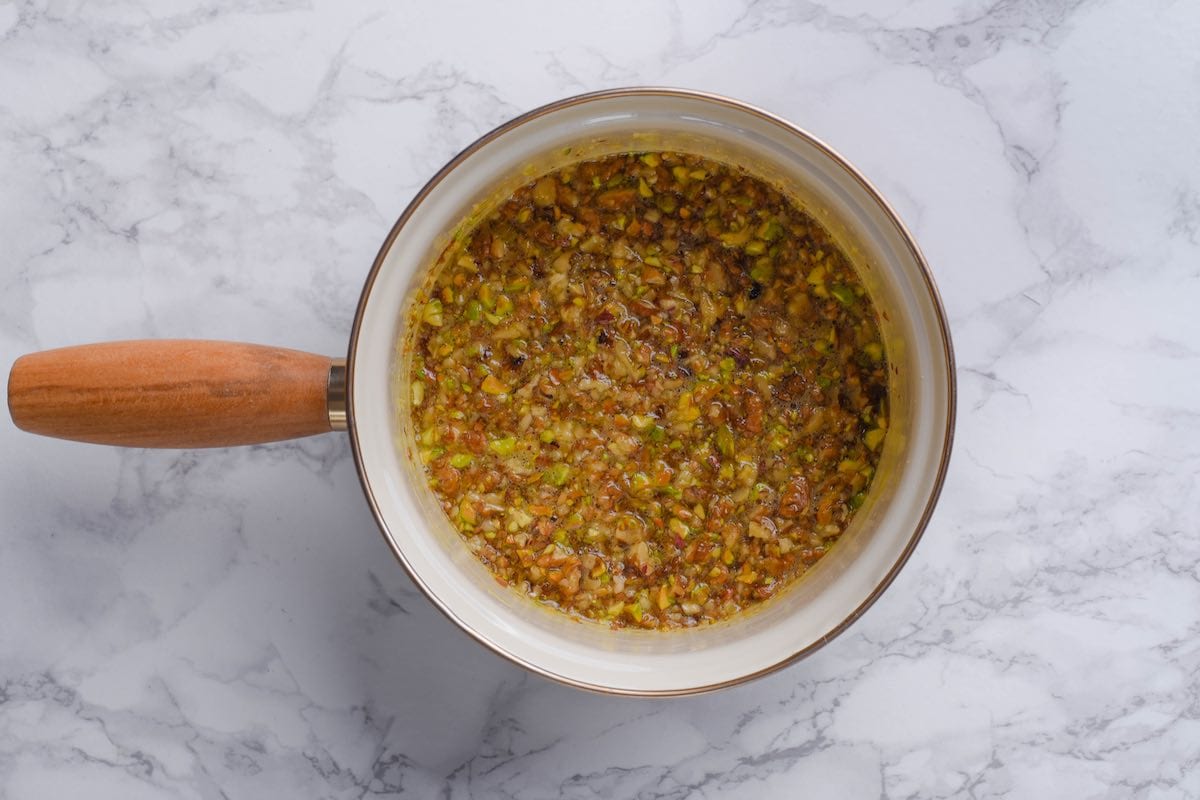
(174, 393)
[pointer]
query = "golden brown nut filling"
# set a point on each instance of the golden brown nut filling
(648, 389)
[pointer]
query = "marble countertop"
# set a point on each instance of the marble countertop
(230, 623)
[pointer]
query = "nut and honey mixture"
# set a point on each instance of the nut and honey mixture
(648, 390)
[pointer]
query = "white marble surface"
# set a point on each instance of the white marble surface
(229, 623)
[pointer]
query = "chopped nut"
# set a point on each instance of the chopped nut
(648, 389)
(493, 385)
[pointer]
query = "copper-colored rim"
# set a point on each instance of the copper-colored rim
(910, 242)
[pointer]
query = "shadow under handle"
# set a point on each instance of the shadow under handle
(177, 393)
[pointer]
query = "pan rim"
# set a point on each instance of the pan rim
(892, 217)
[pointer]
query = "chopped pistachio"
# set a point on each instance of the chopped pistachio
(556, 475)
(493, 385)
(677, 527)
(639, 482)
(763, 271)
(432, 315)
(758, 531)
(519, 518)
(770, 230)
(641, 422)
(545, 191)
(687, 410)
(736, 238)
(843, 294)
(724, 439)
(503, 447)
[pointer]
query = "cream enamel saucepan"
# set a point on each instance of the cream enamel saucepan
(217, 394)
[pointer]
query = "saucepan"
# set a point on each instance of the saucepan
(216, 394)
